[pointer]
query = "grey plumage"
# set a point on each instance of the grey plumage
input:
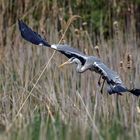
(70, 52)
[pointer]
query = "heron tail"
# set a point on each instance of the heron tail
(118, 88)
(112, 89)
(28, 34)
(135, 92)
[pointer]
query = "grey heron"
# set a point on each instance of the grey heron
(83, 61)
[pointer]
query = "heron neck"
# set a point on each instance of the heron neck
(80, 68)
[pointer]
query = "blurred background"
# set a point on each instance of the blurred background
(62, 104)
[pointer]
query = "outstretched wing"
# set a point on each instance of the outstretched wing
(111, 76)
(28, 34)
(70, 52)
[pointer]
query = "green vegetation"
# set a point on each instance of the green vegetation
(61, 104)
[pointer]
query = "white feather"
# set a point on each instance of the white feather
(54, 46)
(40, 44)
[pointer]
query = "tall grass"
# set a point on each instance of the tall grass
(64, 104)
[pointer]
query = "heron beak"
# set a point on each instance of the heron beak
(65, 63)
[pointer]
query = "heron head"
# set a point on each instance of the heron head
(70, 61)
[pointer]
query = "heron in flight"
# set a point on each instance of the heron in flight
(83, 61)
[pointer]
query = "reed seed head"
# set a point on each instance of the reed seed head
(97, 50)
(129, 61)
(84, 24)
(121, 64)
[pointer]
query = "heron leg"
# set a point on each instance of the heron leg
(99, 81)
(102, 86)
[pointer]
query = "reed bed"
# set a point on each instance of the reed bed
(40, 101)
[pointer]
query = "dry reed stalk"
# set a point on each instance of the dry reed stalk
(46, 66)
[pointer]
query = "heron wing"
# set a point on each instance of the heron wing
(110, 75)
(28, 34)
(71, 52)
